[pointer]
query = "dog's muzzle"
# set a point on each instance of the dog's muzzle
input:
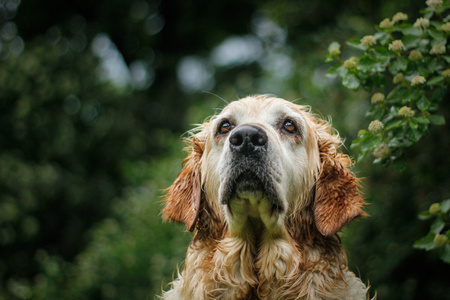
(249, 172)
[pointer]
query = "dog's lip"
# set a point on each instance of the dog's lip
(255, 195)
(253, 185)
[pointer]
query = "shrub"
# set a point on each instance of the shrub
(406, 67)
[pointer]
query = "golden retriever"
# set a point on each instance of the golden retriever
(265, 191)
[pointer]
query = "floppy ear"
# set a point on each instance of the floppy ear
(183, 196)
(337, 196)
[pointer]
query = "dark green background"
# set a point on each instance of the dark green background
(83, 158)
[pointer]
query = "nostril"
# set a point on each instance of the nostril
(236, 139)
(259, 139)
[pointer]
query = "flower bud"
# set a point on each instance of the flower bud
(438, 49)
(406, 111)
(376, 126)
(361, 132)
(440, 239)
(446, 73)
(446, 27)
(399, 78)
(422, 23)
(435, 208)
(396, 46)
(368, 41)
(386, 23)
(399, 17)
(351, 63)
(434, 3)
(377, 98)
(418, 80)
(382, 151)
(335, 52)
(415, 55)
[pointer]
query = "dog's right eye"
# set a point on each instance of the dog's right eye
(225, 127)
(289, 126)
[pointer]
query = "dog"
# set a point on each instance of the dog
(265, 191)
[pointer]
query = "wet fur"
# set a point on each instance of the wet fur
(291, 254)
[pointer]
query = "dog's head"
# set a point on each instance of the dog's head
(263, 159)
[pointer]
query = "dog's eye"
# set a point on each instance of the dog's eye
(289, 126)
(225, 127)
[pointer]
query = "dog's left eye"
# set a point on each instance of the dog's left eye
(289, 126)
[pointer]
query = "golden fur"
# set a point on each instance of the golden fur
(247, 248)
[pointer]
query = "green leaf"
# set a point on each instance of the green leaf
(394, 94)
(356, 43)
(422, 119)
(414, 134)
(368, 64)
(361, 155)
(413, 124)
(350, 81)
(439, 93)
(382, 37)
(423, 45)
(398, 65)
(425, 215)
(411, 41)
(394, 124)
(437, 80)
(437, 226)
(400, 142)
(437, 35)
(383, 56)
(370, 142)
(378, 114)
(341, 71)
(432, 64)
(445, 254)
(426, 243)
(428, 12)
(445, 206)
(409, 30)
(357, 142)
(332, 72)
(447, 58)
(329, 59)
(437, 119)
(424, 104)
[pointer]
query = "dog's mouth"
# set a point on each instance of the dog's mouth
(253, 183)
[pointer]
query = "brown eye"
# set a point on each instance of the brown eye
(289, 126)
(225, 127)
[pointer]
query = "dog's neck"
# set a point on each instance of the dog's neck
(300, 227)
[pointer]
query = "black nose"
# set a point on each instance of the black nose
(248, 140)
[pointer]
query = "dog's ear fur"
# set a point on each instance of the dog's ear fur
(337, 196)
(182, 199)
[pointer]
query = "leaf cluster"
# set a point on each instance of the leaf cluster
(439, 235)
(407, 67)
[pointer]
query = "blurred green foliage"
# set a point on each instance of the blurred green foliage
(408, 63)
(408, 66)
(95, 95)
(438, 237)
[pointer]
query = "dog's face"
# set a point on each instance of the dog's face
(261, 160)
